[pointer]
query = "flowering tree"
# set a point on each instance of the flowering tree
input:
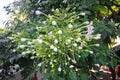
(64, 41)
(68, 48)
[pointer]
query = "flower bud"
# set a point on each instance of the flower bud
(82, 13)
(70, 25)
(23, 39)
(55, 49)
(56, 41)
(39, 41)
(59, 32)
(78, 39)
(54, 23)
(37, 12)
(51, 47)
(75, 44)
(97, 45)
(59, 69)
(98, 36)
(22, 46)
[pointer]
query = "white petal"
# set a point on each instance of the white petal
(82, 13)
(97, 45)
(56, 41)
(37, 12)
(22, 46)
(51, 47)
(59, 32)
(39, 41)
(55, 49)
(59, 69)
(70, 26)
(23, 39)
(78, 39)
(75, 44)
(54, 23)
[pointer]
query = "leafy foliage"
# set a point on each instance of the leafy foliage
(43, 39)
(104, 10)
(64, 44)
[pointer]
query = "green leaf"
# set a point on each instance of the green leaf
(100, 8)
(73, 75)
(84, 77)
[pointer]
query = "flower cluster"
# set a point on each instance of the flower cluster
(89, 30)
(62, 41)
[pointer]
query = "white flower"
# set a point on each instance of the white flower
(66, 63)
(91, 52)
(40, 35)
(39, 65)
(56, 41)
(29, 42)
(54, 23)
(75, 44)
(57, 10)
(79, 56)
(37, 12)
(44, 22)
(24, 53)
(70, 25)
(14, 50)
(23, 39)
(68, 58)
(74, 61)
(90, 28)
(68, 41)
(97, 45)
(78, 39)
(80, 47)
(51, 63)
(55, 61)
(98, 36)
(71, 66)
(71, 20)
(32, 57)
(22, 46)
(37, 54)
(51, 47)
(1, 70)
(59, 69)
(40, 41)
(59, 32)
(86, 22)
(71, 38)
(50, 34)
(28, 51)
(64, 1)
(55, 49)
(49, 55)
(83, 44)
(82, 13)
(49, 16)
